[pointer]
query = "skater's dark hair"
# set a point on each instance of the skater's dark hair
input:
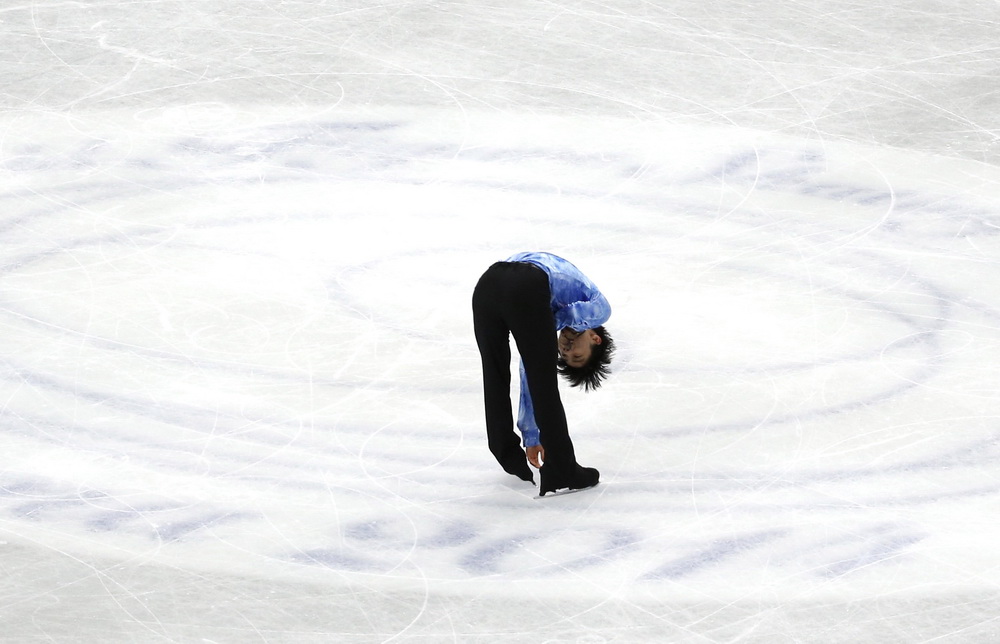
(592, 374)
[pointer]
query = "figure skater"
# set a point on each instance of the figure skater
(556, 315)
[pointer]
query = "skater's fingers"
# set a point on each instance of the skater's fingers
(536, 454)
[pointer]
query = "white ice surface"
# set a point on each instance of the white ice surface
(240, 395)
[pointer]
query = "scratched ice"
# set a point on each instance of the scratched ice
(240, 395)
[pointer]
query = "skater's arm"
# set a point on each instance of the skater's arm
(526, 414)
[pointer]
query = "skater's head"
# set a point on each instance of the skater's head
(585, 358)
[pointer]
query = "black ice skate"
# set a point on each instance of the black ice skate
(579, 478)
(516, 463)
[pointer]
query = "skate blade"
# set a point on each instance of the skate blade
(565, 491)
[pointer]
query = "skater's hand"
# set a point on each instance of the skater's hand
(536, 454)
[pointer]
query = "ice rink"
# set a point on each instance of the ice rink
(241, 399)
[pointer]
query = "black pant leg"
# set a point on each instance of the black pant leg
(533, 327)
(493, 340)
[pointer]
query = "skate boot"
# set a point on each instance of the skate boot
(578, 478)
(515, 462)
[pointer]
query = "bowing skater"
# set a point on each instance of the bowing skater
(556, 315)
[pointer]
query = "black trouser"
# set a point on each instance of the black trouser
(513, 298)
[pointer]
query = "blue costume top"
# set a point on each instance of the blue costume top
(576, 303)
